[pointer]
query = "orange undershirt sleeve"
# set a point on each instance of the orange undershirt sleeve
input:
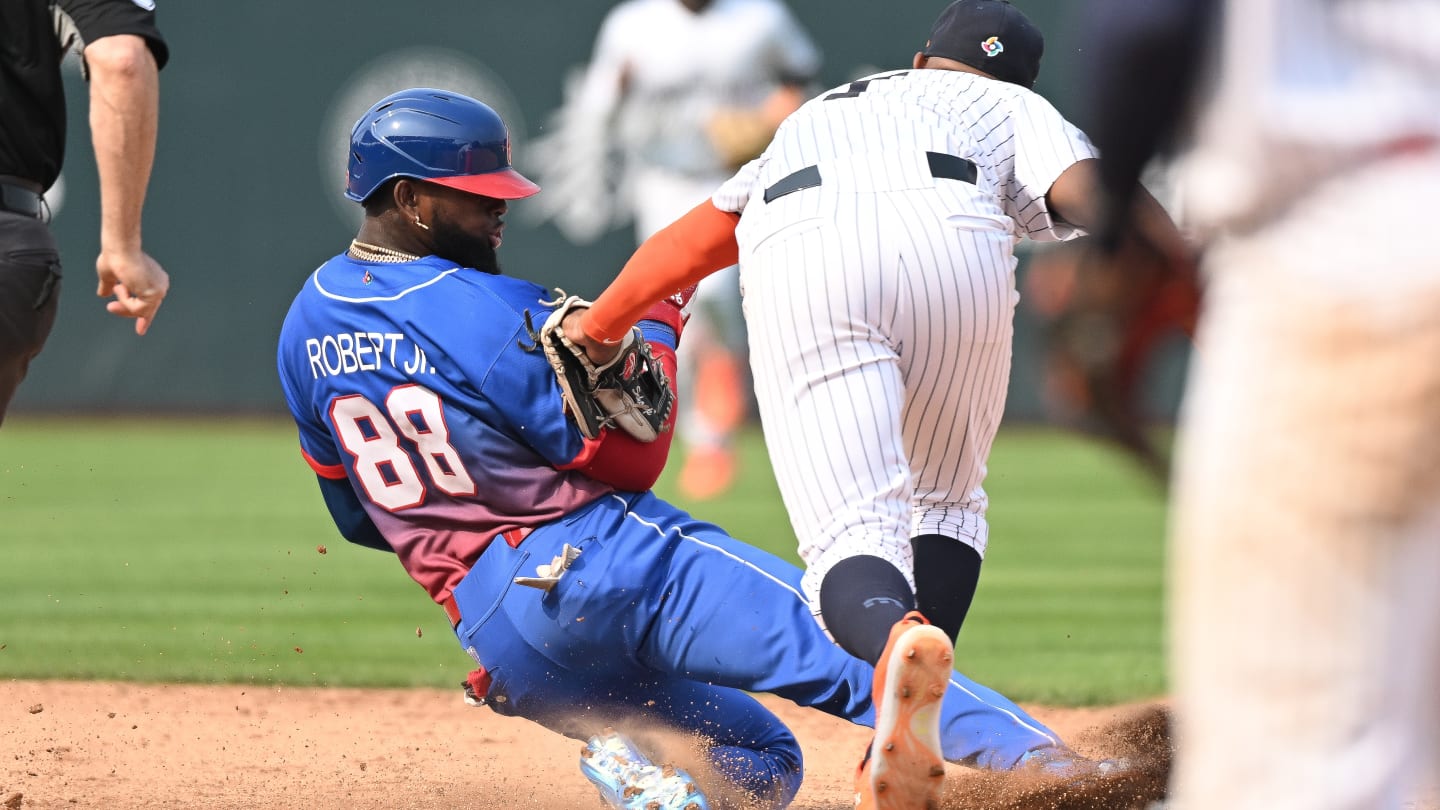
(689, 249)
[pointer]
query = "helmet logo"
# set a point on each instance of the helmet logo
(367, 278)
(992, 47)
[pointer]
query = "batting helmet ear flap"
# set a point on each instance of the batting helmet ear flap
(435, 136)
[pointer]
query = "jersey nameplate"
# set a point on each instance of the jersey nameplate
(351, 352)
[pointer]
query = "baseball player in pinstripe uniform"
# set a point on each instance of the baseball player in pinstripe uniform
(436, 430)
(875, 238)
(1305, 528)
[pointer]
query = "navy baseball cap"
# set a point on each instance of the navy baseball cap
(989, 35)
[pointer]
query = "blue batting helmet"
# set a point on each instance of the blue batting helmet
(436, 136)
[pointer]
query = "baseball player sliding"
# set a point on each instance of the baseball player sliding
(874, 237)
(420, 380)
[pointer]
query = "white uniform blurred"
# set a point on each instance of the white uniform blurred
(1306, 561)
(662, 75)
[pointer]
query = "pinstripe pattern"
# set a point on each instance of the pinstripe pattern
(1017, 139)
(880, 303)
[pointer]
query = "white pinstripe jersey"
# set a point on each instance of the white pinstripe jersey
(1311, 89)
(881, 322)
(873, 133)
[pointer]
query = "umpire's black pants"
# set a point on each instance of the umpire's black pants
(29, 297)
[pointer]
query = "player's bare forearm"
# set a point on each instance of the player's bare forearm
(124, 108)
(678, 256)
(1153, 224)
(124, 111)
(1076, 198)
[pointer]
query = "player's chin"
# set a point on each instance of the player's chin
(477, 251)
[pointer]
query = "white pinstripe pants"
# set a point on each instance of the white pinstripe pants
(1305, 573)
(880, 331)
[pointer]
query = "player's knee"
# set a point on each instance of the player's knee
(787, 771)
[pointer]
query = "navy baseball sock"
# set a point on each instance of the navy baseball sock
(946, 573)
(861, 598)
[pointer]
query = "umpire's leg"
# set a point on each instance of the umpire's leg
(29, 297)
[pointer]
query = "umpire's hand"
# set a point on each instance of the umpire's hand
(138, 283)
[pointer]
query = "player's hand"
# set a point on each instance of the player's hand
(599, 352)
(138, 283)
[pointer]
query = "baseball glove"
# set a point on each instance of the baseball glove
(738, 135)
(630, 391)
(1107, 315)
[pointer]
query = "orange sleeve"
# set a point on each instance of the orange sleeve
(689, 249)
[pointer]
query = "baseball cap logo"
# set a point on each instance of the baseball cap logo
(992, 47)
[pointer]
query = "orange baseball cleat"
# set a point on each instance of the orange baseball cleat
(905, 769)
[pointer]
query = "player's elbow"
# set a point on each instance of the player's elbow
(1074, 196)
(636, 483)
(120, 57)
(627, 463)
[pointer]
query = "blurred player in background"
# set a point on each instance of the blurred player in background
(1305, 616)
(435, 427)
(875, 237)
(677, 95)
(122, 53)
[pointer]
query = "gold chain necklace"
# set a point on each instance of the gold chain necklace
(375, 253)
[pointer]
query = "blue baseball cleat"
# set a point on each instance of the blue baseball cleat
(629, 781)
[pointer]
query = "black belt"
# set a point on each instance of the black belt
(20, 200)
(942, 165)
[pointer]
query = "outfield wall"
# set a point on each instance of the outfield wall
(246, 194)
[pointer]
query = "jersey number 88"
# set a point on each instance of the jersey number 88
(384, 468)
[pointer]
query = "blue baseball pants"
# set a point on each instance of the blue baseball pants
(666, 618)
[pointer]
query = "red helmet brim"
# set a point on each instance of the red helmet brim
(504, 184)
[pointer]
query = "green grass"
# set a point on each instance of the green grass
(188, 550)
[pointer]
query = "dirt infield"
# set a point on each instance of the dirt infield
(112, 745)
